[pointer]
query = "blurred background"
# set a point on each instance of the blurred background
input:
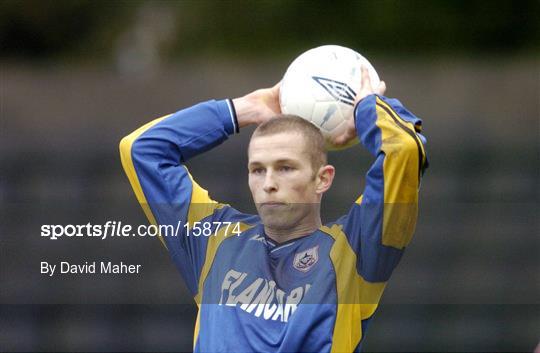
(77, 76)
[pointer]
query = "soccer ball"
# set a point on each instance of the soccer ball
(321, 85)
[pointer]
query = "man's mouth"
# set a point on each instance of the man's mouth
(273, 204)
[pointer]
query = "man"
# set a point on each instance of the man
(281, 281)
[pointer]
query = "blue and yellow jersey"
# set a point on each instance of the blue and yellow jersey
(311, 294)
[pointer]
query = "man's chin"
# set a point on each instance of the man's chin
(277, 220)
(278, 226)
(273, 210)
(283, 216)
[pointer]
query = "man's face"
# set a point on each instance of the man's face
(281, 179)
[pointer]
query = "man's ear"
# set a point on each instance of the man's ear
(325, 177)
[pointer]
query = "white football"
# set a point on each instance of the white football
(321, 85)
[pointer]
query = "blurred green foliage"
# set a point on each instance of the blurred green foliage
(42, 29)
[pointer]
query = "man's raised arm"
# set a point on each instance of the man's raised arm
(381, 222)
(383, 219)
(153, 158)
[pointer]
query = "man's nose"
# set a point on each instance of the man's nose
(270, 184)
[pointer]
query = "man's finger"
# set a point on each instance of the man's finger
(344, 138)
(366, 80)
(382, 88)
(275, 88)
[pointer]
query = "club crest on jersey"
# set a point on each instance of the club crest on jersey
(304, 260)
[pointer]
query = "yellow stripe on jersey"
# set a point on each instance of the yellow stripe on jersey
(409, 124)
(201, 205)
(127, 163)
(400, 171)
(357, 299)
(197, 326)
(214, 241)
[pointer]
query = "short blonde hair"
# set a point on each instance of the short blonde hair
(315, 146)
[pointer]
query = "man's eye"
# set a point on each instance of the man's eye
(285, 168)
(257, 171)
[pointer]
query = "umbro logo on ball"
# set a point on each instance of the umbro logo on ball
(338, 90)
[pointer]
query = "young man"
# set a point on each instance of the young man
(279, 280)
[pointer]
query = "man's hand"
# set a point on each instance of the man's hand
(365, 90)
(258, 106)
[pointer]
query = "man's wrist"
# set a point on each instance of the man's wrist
(234, 117)
(246, 111)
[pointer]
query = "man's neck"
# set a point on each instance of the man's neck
(283, 235)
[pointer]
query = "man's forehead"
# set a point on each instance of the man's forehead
(283, 135)
(280, 146)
